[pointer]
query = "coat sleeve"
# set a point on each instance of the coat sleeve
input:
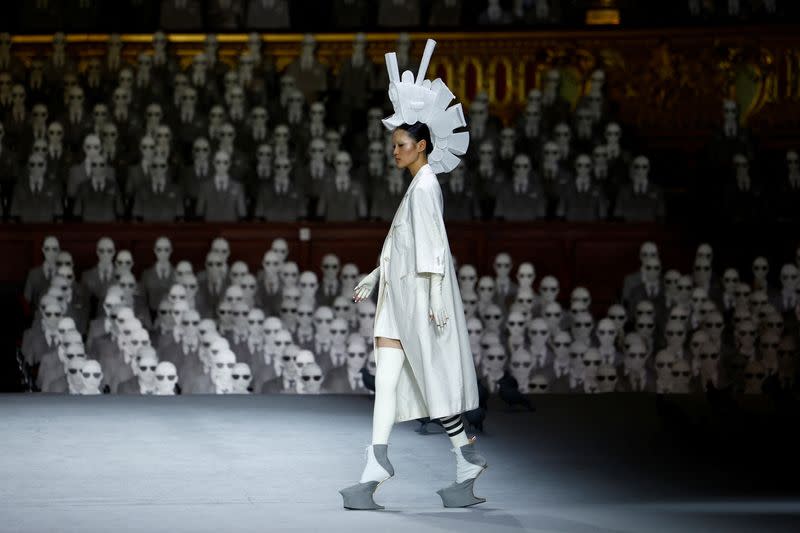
(427, 226)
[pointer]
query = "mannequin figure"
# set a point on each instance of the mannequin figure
(97, 199)
(309, 74)
(221, 198)
(640, 200)
(343, 198)
(166, 379)
(355, 79)
(280, 199)
(523, 198)
(36, 199)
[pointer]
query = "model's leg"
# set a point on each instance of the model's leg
(389, 358)
(455, 430)
(389, 361)
(469, 465)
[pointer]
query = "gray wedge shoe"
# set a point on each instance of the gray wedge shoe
(470, 464)
(358, 497)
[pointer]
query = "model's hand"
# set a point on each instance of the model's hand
(365, 286)
(436, 311)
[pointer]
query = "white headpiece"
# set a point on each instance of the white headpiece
(424, 101)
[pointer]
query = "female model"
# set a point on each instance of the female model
(423, 356)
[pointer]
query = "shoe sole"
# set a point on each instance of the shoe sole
(378, 506)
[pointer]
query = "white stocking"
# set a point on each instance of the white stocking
(389, 363)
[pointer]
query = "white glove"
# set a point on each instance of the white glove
(436, 311)
(365, 286)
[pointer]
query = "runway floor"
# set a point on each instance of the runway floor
(261, 463)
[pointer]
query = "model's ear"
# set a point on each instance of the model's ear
(422, 146)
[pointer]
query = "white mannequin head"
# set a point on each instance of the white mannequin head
(521, 364)
(664, 361)
(311, 377)
(330, 267)
(349, 277)
(538, 334)
(549, 289)
(366, 316)
(636, 354)
(619, 316)
(242, 377)
(308, 284)
(494, 358)
(580, 299)
(582, 326)
(166, 378)
(502, 265)
(606, 333)
(515, 324)
(467, 277)
(221, 373)
(552, 314)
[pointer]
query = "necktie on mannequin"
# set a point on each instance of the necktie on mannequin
(317, 169)
(743, 182)
(220, 183)
(355, 382)
(341, 183)
(202, 169)
(520, 186)
(789, 299)
(652, 290)
(330, 289)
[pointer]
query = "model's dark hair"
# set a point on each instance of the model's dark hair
(419, 132)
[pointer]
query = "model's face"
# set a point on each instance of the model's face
(405, 150)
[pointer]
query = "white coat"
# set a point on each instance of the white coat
(438, 377)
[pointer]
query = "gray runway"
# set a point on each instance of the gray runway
(261, 463)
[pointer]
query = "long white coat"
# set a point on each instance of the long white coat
(438, 377)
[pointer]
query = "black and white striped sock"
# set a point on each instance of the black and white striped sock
(452, 425)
